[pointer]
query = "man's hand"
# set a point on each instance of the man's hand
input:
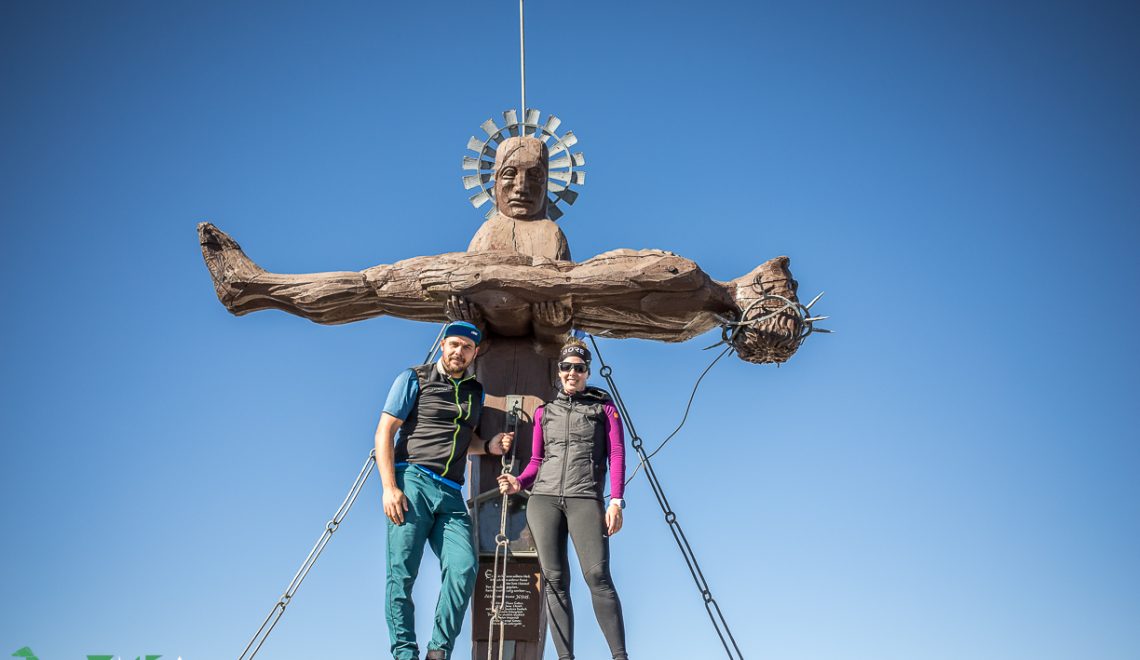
(613, 518)
(508, 484)
(395, 504)
(501, 443)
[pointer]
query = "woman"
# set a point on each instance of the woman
(576, 436)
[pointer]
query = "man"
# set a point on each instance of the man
(436, 408)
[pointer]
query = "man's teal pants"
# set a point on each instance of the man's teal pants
(437, 515)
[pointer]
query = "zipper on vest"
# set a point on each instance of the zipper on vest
(566, 453)
(458, 416)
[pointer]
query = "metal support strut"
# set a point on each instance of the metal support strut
(330, 528)
(711, 606)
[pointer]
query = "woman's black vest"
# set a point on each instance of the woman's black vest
(575, 446)
(438, 431)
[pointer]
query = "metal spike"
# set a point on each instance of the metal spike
(561, 162)
(564, 177)
(554, 212)
(579, 159)
(814, 300)
(490, 212)
(490, 128)
(480, 199)
(826, 332)
(532, 116)
(568, 196)
(554, 186)
(512, 119)
(816, 318)
(579, 178)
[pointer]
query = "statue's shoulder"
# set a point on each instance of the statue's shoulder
(536, 238)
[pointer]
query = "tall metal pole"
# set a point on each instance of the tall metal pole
(522, 70)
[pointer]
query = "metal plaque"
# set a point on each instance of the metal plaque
(523, 584)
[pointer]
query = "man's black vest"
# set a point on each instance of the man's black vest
(575, 446)
(438, 431)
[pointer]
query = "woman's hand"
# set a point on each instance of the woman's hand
(613, 519)
(501, 443)
(508, 484)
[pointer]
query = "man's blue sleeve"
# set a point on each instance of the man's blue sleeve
(402, 396)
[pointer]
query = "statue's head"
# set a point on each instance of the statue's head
(521, 165)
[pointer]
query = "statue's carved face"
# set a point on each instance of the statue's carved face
(520, 178)
(776, 338)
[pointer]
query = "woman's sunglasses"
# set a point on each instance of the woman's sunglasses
(567, 367)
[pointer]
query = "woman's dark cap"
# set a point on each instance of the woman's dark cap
(576, 351)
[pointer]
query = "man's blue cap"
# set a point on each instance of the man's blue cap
(462, 329)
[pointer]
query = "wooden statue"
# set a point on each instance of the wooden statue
(517, 281)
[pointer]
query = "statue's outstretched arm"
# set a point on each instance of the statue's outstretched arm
(648, 294)
(244, 287)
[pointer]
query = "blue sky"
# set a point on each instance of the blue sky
(954, 474)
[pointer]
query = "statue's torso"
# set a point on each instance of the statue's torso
(534, 238)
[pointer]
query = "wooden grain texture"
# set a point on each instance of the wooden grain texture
(645, 294)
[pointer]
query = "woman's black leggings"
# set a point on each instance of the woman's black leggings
(551, 519)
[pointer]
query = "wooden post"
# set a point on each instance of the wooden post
(509, 367)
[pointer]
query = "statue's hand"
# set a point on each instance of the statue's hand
(459, 308)
(552, 314)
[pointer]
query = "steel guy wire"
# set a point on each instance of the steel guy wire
(435, 344)
(330, 528)
(685, 417)
(716, 616)
(729, 332)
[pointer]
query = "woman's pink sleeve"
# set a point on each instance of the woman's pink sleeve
(536, 453)
(617, 451)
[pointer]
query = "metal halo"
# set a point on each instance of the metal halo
(562, 173)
